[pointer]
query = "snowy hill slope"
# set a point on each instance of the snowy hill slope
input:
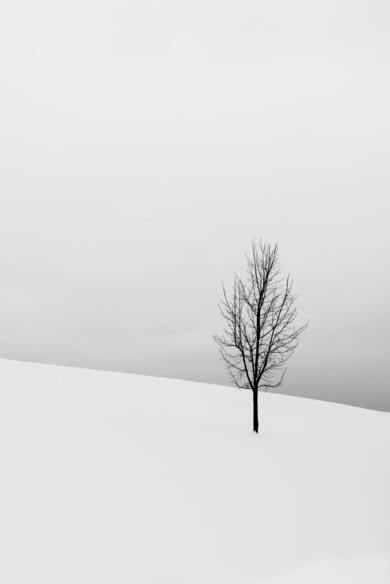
(115, 478)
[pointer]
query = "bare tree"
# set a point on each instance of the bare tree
(259, 334)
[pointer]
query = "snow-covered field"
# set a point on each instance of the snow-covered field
(115, 478)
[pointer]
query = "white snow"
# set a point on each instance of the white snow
(115, 478)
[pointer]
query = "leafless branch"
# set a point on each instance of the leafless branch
(260, 333)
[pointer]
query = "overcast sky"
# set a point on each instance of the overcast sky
(144, 144)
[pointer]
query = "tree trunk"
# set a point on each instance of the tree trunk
(255, 411)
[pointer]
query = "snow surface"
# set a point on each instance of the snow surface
(116, 478)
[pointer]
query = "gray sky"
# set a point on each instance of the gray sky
(144, 144)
